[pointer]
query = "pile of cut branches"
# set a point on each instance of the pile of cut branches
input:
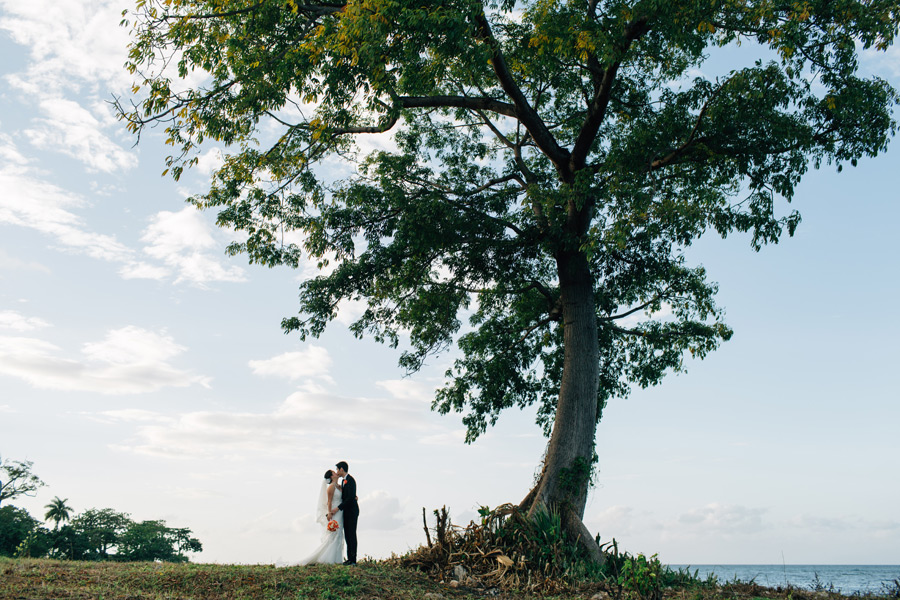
(507, 549)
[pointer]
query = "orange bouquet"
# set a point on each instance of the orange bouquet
(332, 525)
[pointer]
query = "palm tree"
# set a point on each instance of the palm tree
(57, 511)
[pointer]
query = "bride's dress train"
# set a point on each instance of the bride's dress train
(332, 549)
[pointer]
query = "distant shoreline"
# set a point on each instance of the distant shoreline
(846, 578)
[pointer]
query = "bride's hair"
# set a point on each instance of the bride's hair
(328, 474)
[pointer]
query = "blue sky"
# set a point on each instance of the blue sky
(142, 369)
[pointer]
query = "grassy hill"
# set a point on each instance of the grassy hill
(39, 579)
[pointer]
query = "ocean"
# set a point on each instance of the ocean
(848, 579)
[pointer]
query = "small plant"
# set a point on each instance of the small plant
(641, 577)
(892, 589)
(818, 585)
(27, 546)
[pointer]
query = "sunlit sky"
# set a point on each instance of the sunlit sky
(142, 369)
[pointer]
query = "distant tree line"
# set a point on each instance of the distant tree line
(95, 534)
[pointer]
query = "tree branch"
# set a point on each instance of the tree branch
(524, 111)
(630, 312)
(597, 109)
(527, 332)
(230, 13)
(386, 126)
(490, 104)
(672, 156)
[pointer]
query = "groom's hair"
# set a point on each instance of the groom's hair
(343, 465)
(328, 474)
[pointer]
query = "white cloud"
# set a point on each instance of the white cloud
(823, 524)
(383, 512)
(71, 129)
(724, 518)
(133, 345)
(9, 154)
(10, 263)
(209, 161)
(182, 241)
(135, 415)
(28, 201)
(130, 360)
(74, 47)
(10, 319)
(882, 63)
(448, 438)
(295, 428)
(143, 270)
(348, 310)
(59, 35)
(314, 361)
(407, 389)
(615, 520)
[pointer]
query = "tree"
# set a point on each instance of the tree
(551, 160)
(100, 531)
(57, 511)
(152, 540)
(21, 534)
(16, 479)
(70, 543)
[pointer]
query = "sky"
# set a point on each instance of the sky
(144, 370)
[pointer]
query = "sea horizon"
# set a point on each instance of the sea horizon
(848, 578)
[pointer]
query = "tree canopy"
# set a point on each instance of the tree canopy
(17, 479)
(57, 511)
(153, 540)
(548, 163)
(95, 535)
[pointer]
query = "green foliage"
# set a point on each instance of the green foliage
(37, 543)
(71, 543)
(538, 146)
(94, 535)
(152, 540)
(15, 527)
(571, 478)
(16, 479)
(641, 578)
(57, 511)
(100, 531)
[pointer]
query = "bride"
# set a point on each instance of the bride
(332, 549)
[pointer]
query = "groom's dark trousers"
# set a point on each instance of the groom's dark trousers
(351, 516)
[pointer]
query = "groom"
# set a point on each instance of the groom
(350, 506)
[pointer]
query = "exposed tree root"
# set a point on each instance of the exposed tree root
(508, 549)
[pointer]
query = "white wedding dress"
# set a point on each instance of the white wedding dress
(332, 549)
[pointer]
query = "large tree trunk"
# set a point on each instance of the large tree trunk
(566, 473)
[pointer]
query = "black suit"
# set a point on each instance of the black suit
(351, 515)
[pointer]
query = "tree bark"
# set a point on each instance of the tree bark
(565, 478)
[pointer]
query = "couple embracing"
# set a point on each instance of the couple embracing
(338, 512)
